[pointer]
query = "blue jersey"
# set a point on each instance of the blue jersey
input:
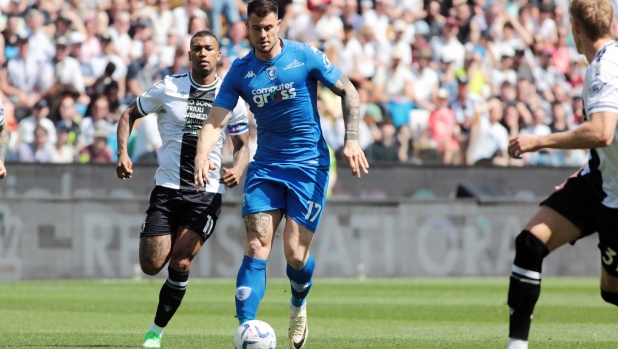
(282, 94)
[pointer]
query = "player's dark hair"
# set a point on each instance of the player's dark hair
(262, 8)
(203, 34)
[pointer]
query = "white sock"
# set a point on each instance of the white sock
(298, 309)
(156, 329)
(517, 344)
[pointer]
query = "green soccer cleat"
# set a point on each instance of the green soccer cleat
(152, 340)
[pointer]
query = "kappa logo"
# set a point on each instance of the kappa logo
(250, 75)
(294, 64)
(271, 73)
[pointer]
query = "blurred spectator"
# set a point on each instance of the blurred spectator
(349, 51)
(546, 75)
(448, 42)
(384, 146)
(399, 28)
(10, 37)
(97, 120)
(65, 151)
(235, 44)
(178, 67)
(351, 16)
(464, 106)
(39, 150)
(435, 19)
(119, 33)
(504, 72)
(394, 90)
(376, 18)
(67, 69)
(69, 119)
(101, 65)
(25, 79)
(329, 26)
(97, 152)
(28, 125)
(141, 72)
(91, 47)
(302, 27)
(42, 49)
(163, 20)
(442, 130)
(426, 80)
(226, 7)
(182, 14)
(489, 140)
(147, 139)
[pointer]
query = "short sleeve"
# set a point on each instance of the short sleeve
(603, 90)
(320, 68)
(239, 120)
(150, 101)
(229, 92)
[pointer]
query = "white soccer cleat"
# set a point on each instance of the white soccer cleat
(517, 344)
(298, 330)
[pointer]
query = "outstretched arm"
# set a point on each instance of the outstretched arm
(352, 153)
(4, 147)
(597, 133)
(124, 168)
(211, 131)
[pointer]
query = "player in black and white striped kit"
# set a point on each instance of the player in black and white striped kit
(180, 219)
(588, 201)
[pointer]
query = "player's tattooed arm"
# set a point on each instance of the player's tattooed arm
(231, 177)
(351, 106)
(257, 223)
(124, 168)
(4, 146)
(352, 153)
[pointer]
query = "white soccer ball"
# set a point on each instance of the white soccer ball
(255, 334)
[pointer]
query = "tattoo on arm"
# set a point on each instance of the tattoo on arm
(351, 106)
(257, 223)
(4, 142)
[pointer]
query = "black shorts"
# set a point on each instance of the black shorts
(170, 208)
(578, 203)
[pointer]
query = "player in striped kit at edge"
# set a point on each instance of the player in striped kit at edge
(588, 201)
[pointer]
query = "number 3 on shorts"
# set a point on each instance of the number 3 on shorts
(608, 259)
(318, 208)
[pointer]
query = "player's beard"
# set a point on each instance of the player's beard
(257, 47)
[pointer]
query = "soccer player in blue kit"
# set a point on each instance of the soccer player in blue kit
(289, 174)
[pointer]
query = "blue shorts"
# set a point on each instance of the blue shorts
(300, 192)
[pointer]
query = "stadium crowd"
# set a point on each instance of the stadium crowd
(440, 82)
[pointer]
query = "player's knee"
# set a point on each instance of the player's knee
(295, 259)
(150, 267)
(529, 251)
(610, 297)
(257, 248)
(180, 264)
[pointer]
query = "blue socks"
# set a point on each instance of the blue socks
(300, 281)
(250, 287)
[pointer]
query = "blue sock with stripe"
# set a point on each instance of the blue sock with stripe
(300, 281)
(250, 288)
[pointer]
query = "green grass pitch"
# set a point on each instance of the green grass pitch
(385, 313)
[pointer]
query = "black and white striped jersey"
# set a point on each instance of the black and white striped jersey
(601, 95)
(182, 105)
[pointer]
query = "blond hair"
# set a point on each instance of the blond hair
(594, 16)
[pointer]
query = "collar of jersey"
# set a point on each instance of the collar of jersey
(602, 48)
(203, 87)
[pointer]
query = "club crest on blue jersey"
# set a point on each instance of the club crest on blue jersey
(271, 73)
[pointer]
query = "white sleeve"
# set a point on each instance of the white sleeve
(150, 101)
(603, 90)
(239, 120)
